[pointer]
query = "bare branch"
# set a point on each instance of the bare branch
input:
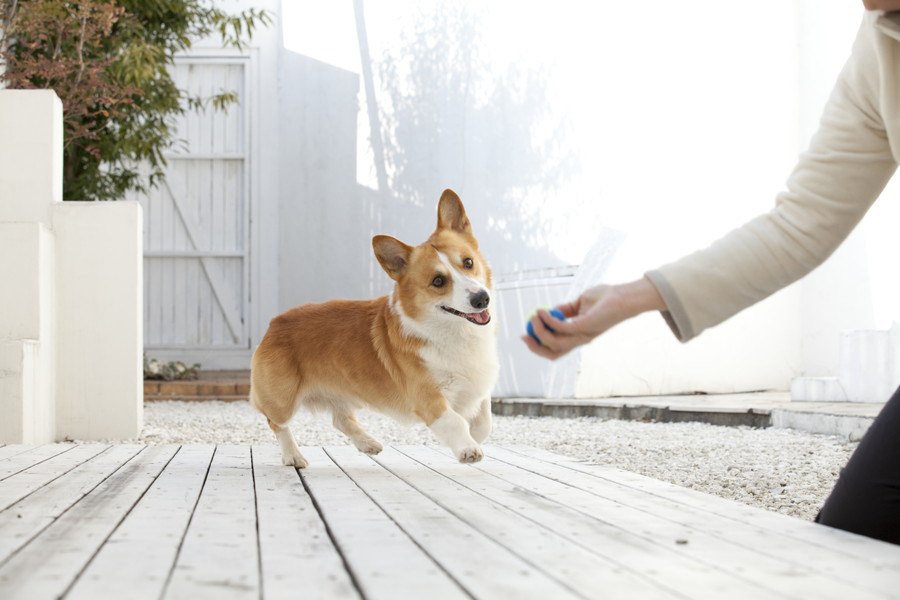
(5, 26)
(80, 51)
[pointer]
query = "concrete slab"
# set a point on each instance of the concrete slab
(756, 409)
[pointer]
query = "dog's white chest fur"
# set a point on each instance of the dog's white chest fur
(465, 367)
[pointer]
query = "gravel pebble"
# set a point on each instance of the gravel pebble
(782, 470)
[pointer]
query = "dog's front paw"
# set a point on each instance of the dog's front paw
(470, 455)
(369, 445)
(294, 459)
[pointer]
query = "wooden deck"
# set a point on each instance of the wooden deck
(194, 522)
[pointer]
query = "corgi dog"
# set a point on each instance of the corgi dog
(426, 353)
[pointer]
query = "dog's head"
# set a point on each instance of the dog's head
(445, 279)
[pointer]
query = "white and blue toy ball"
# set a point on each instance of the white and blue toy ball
(556, 313)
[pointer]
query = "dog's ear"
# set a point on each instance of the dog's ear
(452, 214)
(392, 255)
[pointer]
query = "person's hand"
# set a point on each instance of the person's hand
(591, 314)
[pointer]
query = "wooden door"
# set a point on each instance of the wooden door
(197, 227)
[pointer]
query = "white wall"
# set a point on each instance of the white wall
(268, 137)
(70, 301)
(670, 123)
(825, 37)
(865, 265)
(27, 332)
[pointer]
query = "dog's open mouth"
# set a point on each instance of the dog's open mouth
(479, 318)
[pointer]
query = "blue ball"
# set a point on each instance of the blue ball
(556, 313)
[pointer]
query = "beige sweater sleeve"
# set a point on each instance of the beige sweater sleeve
(834, 183)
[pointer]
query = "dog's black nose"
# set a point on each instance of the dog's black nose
(480, 300)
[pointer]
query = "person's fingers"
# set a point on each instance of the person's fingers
(570, 309)
(567, 327)
(551, 338)
(574, 326)
(539, 349)
(544, 335)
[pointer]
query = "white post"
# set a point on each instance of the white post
(99, 283)
(31, 138)
(31, 155)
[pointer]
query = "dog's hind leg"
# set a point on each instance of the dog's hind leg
(275, 395)
(290, 451)
(346, 423)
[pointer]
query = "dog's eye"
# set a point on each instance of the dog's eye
(438, 281)
(468, 263)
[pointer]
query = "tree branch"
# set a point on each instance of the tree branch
(4, 32)
(80, 51)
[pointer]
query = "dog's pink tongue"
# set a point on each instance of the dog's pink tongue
(482, 317)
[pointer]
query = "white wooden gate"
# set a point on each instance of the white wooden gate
(197, 226)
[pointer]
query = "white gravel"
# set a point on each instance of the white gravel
(777, 469)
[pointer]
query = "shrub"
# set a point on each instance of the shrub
(169, 371)
(108, 61)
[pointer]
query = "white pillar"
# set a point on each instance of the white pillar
(31, 138)
(31, 155)
(99, 283)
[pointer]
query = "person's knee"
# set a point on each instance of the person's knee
(863, 507)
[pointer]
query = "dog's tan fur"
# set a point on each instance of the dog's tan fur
(395, 354)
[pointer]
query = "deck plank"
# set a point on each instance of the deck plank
(21, 461)
(26, 482)
(664, 563)
(219, 557)
(48, 565)
(8, 450)
(847, 544)
(136, 560)
(198, 522)
(451, 542)
(385, 562)
(776, 576)
(826, 563)
(583, 570)
(27, 518)
(296, 552)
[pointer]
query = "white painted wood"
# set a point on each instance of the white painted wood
(25, 482)
(745, 563)
(217, 284)
(136, 560)
(410, 524)
(47, 566)
(219, 557)
(848, 572)
(297, 556)
(29, 456)
(9, 450)
(665, 563)
(451, 542)
(197, 235)
(847, 544)
(585, 572)
(20, 523)
(385, 562)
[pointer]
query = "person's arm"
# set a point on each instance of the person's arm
(848, 163)
(836, 180)
(886, 5)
